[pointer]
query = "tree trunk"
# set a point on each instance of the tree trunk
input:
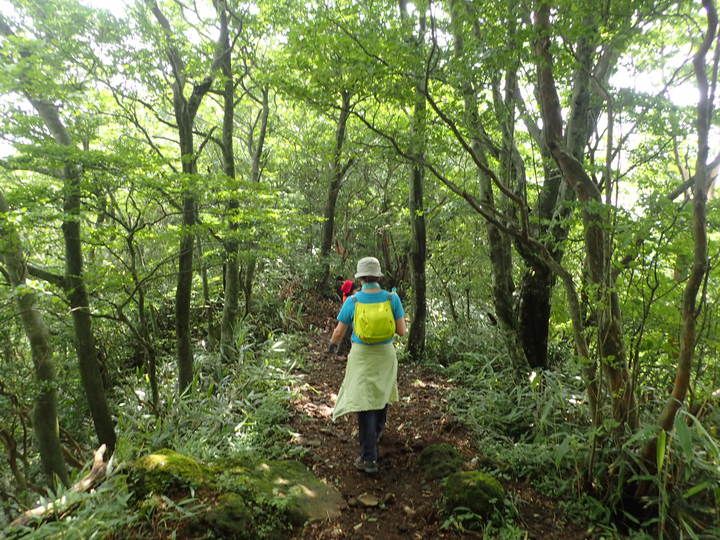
(553, 208)
(255, 149)
(183, 292)
(333, 191)
(534, 314)
(74, 283)
(418, 241)
(699, 268)
(228, 349)
(150, 354)
(499, 244)
(595, 215)
(45, 418)
(418, 255)
(82, 322)
(185, 109)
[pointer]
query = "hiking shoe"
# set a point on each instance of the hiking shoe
(370, 467)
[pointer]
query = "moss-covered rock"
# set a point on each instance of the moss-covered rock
(478, 491)
(238, 517)
(290, 484)
(439, 460)
(244, 498)
(167, 472)
(231, 517)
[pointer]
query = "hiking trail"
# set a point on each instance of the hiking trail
(398, 502)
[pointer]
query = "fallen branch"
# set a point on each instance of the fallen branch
(92, 479)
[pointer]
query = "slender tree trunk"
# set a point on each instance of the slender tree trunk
(45, 418)
(82, 322)
(74, 282)
(143, 333)
(255, 149)
(704, 118)
(150, 354)
(418, 241)
(333, 191)
(418, 256)
(595, 220)
(185, 109)
(228, 350)
(183, 293)
(212, 335)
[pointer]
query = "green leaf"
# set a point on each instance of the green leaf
(684, 435)
(661, 440)
(696, 489)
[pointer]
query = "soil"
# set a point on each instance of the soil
(408, 503)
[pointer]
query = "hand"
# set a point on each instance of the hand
(332, 348)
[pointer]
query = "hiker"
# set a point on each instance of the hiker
(346, 288)
(370, 381)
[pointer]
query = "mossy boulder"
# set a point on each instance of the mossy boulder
(240, 517)
(290, 484)
(478, 491)
(167, 472)
(245, 498)
(439, 460)
(230, 517)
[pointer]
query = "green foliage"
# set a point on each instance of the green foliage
(236, 409)
(440, 460)
(96, 514)
(478, 493)
(685, 497)
(109, 80)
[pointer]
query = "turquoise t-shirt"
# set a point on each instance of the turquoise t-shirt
(347, 312)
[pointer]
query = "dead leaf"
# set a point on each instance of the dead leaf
(368, 499)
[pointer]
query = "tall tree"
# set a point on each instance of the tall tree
(339, 168)
(231, 267)
(418, 241)
(706, 76)
(596, 223)
(185, 108)
(45, 417)
(73, 280)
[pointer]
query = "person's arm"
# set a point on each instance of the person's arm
(400, 327)
(337, 336)
(399, 313)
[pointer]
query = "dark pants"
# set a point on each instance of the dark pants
(370, 425)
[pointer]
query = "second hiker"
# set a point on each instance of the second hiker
(370, 381)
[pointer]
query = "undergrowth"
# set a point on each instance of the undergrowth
(536, 428)
(235, 411)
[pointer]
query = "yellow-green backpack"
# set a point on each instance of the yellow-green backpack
(374, 323)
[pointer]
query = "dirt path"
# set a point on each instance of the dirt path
(408, 506)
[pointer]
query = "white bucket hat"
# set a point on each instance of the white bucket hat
(368, 266)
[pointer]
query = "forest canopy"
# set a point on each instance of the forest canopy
(184, 185)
